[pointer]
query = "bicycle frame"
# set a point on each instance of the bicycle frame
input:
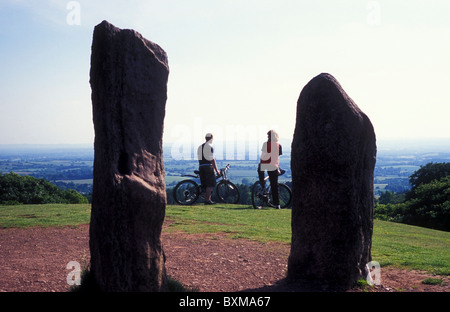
(223, 174)
(267, 187)
(226, 191)
(262, 195)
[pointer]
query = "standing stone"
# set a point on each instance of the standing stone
(332, 162)
(129, 91)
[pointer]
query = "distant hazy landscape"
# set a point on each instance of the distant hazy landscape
(71, 166)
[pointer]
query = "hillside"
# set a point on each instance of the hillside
(394, 244)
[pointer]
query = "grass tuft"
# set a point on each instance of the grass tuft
(433, 281)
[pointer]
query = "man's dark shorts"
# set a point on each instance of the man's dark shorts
(207, 176)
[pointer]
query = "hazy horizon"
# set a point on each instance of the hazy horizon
(382, 144)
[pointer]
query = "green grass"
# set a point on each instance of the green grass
(394, 244)
(44, 215)
(433, 281)
(411, 247)
(239, 221)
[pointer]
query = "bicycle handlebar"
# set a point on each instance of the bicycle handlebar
(223, 170)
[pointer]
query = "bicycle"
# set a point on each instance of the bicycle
(187, 192)
(263, 195)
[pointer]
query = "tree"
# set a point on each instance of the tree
(429, 172)
(390, 197)
(72, 197)
(16, 189)
(427, 203)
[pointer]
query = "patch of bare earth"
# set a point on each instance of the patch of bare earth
(35, 260)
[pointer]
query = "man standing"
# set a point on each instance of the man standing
(207, 167)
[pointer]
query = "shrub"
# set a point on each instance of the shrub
(428, 206)
(16, 189)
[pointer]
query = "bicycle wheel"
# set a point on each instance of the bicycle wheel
(257, 195)
(186, 192)
(284, 194)
(228, 192)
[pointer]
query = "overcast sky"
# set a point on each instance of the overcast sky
(235, 65)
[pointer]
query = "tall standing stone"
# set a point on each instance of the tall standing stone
(332, 161)
(128, 78)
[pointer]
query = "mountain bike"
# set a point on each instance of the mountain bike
(187, 192)
(263, 195)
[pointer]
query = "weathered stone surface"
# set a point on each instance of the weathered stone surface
(129, 91)
(332, 161)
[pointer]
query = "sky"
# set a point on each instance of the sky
(237, 67)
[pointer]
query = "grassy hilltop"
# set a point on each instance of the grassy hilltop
(394, 244)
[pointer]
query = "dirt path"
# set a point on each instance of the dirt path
(34, 260)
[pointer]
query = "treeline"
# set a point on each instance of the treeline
(16, 190)
(52, 174)
(427, 204)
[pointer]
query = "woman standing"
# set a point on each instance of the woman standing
(270, 156)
